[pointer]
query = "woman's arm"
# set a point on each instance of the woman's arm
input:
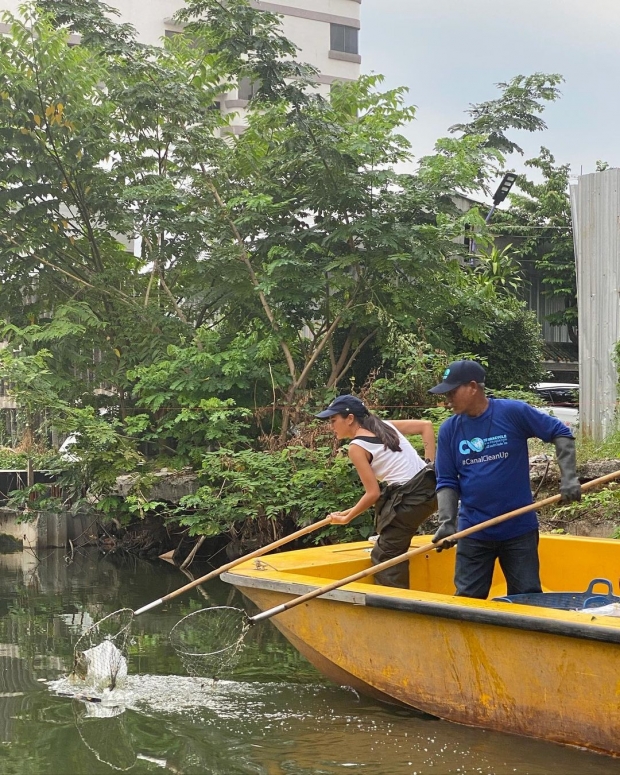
(358, 457)
(423, 428)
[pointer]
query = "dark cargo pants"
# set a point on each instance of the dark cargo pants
(518, 559)
(399, 512)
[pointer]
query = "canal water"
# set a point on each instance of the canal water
(274, 715)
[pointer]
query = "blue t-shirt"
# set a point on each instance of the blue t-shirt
(485, 459)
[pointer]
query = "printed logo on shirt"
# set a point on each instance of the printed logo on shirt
(472, 461)
(473, 445)
(478, 444)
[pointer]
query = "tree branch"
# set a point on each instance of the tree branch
(354, 355)
(254, 279)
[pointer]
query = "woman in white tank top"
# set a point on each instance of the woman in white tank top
(396, 480)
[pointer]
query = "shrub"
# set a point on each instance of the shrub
(513, 351)
(293, 483)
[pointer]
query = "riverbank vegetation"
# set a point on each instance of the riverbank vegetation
(177, 294)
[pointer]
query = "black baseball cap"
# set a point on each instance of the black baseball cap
(344, 405)
(459, 373)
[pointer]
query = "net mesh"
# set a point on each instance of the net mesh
(209, 641)
(100, 654)
(103, 732)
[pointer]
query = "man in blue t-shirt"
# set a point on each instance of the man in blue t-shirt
(482, 460)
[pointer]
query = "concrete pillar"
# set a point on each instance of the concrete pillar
(45, 530)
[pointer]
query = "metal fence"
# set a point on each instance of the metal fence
(11, 480)
(595, 201)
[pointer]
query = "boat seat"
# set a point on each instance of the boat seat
(566, 601)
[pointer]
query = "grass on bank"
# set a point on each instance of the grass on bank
(598, 506)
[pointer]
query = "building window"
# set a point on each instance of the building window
(248, 89)
(344, 38)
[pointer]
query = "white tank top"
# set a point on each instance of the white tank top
(388, 466)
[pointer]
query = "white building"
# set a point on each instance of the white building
(325, 31)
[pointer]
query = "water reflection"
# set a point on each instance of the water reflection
(273, 716)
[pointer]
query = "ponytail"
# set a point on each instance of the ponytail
(384, 432)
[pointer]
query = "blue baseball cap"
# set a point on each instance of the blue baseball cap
(459, 373)
(344, 405)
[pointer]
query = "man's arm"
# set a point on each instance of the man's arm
(447, 488)
(423, 428)
(445, 463)
(550, 429)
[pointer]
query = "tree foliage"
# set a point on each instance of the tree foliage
(211, 288)
(522, 100)
(540, 220)
(513, 353)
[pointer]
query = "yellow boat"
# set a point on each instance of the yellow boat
(529, 670)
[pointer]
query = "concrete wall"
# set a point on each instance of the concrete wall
(45, 530)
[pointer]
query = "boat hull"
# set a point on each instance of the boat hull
(547, 674)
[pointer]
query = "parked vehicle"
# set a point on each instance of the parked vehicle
(562, 401)
(559, 393)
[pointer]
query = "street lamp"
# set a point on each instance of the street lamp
(502, 192)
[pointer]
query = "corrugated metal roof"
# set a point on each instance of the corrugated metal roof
(561, 352)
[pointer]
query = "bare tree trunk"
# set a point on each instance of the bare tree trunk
(190, 557)
(340, 374)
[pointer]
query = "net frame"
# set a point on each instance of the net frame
(105, 665)
(227, 624)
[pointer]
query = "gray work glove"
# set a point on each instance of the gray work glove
(448, 504)
(569, 483)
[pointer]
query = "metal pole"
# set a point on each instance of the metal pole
(472, 244)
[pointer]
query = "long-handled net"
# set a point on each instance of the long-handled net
(100, 654)
(209, 641)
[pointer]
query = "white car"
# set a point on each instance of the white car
(562, 400)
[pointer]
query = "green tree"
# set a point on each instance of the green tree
(499, 270)
(540, 220)
(63, 205)
(271, 264)
(522, 100)
(512, 352)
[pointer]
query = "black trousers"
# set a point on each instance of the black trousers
(400, 511)
(518, 559)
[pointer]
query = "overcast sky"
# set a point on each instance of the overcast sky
(450, 53)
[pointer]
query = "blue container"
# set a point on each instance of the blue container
(566, 601)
